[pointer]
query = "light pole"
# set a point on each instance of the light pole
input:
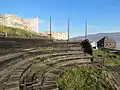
(50, 28)
(68, 29)
(86, 29)
(68, 34)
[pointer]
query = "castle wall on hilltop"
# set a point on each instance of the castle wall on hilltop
(59, 35)
(18, 22)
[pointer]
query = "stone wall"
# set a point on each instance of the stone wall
(59, 35)
(18, 22)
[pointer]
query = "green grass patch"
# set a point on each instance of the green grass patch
(37, 67)
(109, 60)
(99, 52)
(83, 78)
(17, 32)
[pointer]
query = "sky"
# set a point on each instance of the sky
(102, 15)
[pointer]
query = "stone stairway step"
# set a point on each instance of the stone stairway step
(56, 71)
(49, 82)
(17, 72)
(49, 87)
(15, 88)
(13, 84)
(55, 89)
(51, 75)
(14, 78)
(116, 75)
(50, 78)
(9, 56)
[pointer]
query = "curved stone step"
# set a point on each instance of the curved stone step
(14, 83)
(49, 87)
(72, 57)
(21, 69)
(51, 75)
(9, 56)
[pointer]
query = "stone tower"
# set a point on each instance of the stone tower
(34, 24)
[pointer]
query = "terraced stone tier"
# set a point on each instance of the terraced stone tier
(61, 62)
(114, 76)
(9, 56)
(7, 61)
(56, 55)
(20, 72)
(8, 70)
(6, 77)
(14, 83)
(49, 81)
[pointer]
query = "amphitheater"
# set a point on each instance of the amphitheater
(18, 55)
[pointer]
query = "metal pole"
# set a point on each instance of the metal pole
(68, 33)
(86, 29)
(50, 27)
(68, 29)
(51, 32)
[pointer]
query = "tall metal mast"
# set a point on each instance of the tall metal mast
(50, 28)
(68, 34)
(68, 29)
(86, 29)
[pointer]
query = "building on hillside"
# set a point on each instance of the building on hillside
(60, 35)
(19, 22)
(94, 45)
(106, 42)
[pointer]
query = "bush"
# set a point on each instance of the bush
(83, 78)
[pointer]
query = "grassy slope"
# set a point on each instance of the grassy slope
(16, 31)
(83, 78)
(108, 60)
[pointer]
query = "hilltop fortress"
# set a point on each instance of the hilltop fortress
(28, 24)
(18, 22)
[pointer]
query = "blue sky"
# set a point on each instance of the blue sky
(102, 15)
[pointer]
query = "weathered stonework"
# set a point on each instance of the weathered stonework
(18, 22)
(59, 35)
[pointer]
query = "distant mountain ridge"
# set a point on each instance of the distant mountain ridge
(96, 37)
